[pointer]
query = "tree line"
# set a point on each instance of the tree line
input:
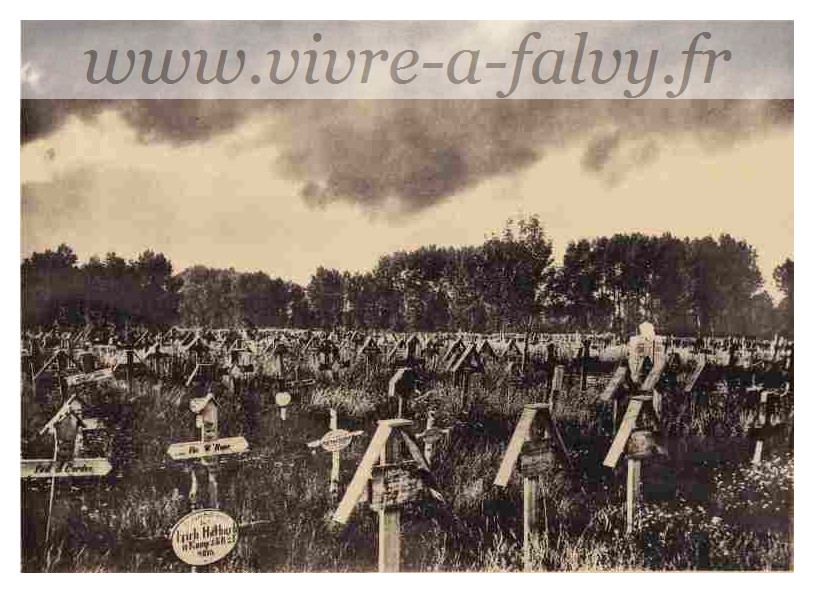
(508, 283)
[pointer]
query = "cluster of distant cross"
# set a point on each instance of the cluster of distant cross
(191, 355)
(65, 363)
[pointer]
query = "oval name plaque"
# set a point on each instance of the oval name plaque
(336, 440)
(203, 537)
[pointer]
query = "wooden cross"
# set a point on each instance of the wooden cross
(69, 422)
(640, 444)
(535, 443)
(206, 449)
(334, 441)
(401, 385)
(431, 435)
(392, 484)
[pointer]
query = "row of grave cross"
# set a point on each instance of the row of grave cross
(395, 468)
(219, 353)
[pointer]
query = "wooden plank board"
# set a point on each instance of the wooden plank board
(614, 384)
(196, 449)
(557, 379)
(192, 375)
(47, 364)
(522, 431)
(625, 428)
(358, 483)
(72, 405)
(75, 468)
(84, 378)
(655, 374)
(696, 373)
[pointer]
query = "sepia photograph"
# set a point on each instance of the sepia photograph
(415, 296)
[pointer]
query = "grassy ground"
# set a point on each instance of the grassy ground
(705, 507)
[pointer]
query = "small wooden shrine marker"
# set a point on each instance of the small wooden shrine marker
(392, 484)
(431, 435)
(643, 347)
(206, 419)
(401, 385)
(334, 441)
(209, 446)
(69, 421)
(640, 444)
(531, 445)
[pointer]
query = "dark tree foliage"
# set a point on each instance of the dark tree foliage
(226, 298)
(56, 290)
(784, 278)
(508, 283)
(690, 286)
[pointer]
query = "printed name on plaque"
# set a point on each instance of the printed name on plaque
(224, 446)
(76, 468)
(203, 537)
(336, 440)
(394, 485)
(536, 459)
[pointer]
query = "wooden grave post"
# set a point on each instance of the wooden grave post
(583, 364)
(431, 435)
(390, 516)
(283, 400)
(401, 385)
(60, 374)
(70, 422)
(556, 384)
(205, 450)
(333, 487)
(209, 446)
(762, 423)
(334, 441)
(535, 443)
(638, 440)
(689, 386)
(392, 483)
(129, 369)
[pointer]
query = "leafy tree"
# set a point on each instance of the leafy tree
(784, 278)
(325, 297)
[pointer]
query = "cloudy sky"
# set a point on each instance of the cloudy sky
(286, 186)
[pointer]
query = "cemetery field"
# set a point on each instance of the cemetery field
(704, 506)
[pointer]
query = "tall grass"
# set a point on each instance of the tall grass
(120, 523)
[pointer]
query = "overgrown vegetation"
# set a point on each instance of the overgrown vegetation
(705, 507)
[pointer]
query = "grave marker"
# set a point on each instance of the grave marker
(204, 537)
(392, 486)
(535, 443)
(283, 400)
(334, 441)
(640, 443)
(205, 450)
(73, 467)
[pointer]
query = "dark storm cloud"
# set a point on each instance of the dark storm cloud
(421, 152)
